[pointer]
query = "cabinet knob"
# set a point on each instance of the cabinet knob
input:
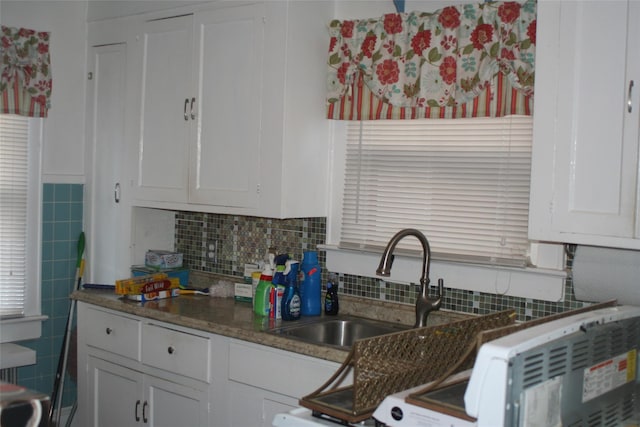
(193, 114)
(171, 349)
(144, 412)
(186, 116)
(629, 104)
(116, 193)
(108, 331)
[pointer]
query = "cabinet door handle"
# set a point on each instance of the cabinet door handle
(186, 116)
(108, 331)
(144, 412)
(116, 193)
(193, 114)
(171, 349)
(629, 104)
(136, 413)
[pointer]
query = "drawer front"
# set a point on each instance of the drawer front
(175, 351)
(278, 371)
(113, 333)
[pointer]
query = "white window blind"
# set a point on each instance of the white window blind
(464, 183)
(14, 134)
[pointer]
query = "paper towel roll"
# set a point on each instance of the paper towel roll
(602, 274)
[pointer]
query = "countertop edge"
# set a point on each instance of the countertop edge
(234, 319)
(109, 301)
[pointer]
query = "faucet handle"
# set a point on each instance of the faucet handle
(440, 288)
(437, 302)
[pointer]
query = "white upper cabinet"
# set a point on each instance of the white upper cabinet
(231, 110)
(229, 49)
(164, 49)
(585, 151)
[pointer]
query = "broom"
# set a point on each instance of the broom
(58, 386)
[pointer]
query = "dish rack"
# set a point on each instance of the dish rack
(390, 363)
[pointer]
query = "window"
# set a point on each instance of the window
(19, 221)
(464, 183)
(13, 208)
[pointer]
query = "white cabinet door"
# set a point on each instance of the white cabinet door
(107, 248)
(228, 66)
(231, 114)
(259, 391)
(165, 109)
(116, 394)
(585, 151)
(124, 397)
(252, 406)
(169, 404)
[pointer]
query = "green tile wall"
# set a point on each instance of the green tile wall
(62, 216)
(242, 239)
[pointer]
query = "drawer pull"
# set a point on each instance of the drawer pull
(108, 331)
(136, 413)
(144, 412)
(171, 349)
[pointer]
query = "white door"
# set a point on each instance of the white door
(253, 406)
(106, 243)
(588, 151)
(116, 395)
(166, 107)
(225, 158)
(170, 404)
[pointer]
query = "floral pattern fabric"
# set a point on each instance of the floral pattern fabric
(444, 59)
(25, 72)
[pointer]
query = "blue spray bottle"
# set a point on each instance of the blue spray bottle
(291, 297)
(311, 289)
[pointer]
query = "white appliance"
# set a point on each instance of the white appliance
(580, 370)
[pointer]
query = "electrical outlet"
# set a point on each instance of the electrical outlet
(212, 251)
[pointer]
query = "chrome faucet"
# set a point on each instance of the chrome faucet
(424, 304)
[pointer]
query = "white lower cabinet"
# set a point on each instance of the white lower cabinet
(125, 397)
(253, 406)
(135, 371)
(264, 381)
(111, 386)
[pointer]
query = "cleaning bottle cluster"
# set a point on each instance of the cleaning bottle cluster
(289, 289)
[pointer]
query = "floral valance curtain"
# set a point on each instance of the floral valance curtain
(472, 60)
(25, 72)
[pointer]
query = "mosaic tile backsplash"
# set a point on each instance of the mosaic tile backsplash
(237, 240)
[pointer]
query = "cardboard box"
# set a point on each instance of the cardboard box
(153, 296)
(181, 273)
(243, 292)
(162, 259)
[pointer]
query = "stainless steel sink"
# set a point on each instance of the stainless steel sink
(341, 332)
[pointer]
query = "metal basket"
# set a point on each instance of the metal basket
(394, 362)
